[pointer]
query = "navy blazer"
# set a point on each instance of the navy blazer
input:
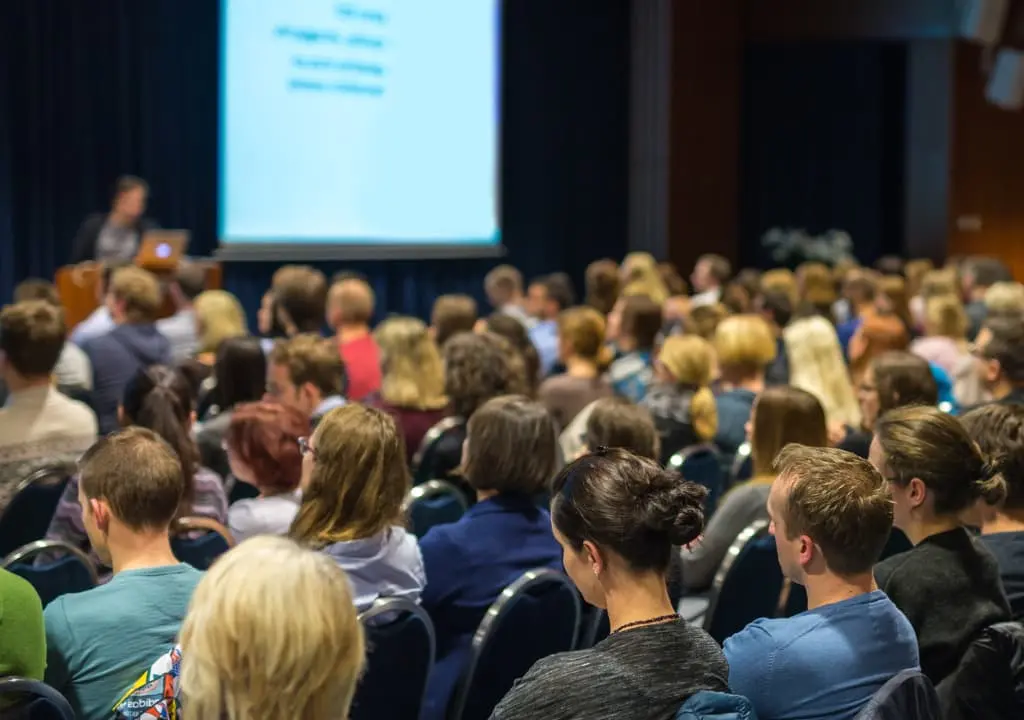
(468, 563)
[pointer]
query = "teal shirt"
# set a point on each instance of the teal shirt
(100, 641)
(22, 640)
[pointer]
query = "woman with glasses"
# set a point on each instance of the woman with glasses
(354, 479)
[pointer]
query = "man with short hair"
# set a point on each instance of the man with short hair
(180, 328)
(38, 424)
(977, 275)
(306, 373)
(73, 371)
(300, 299)
(100, 641)
(776, 308)
(999, 350)
(709, 276)
(831, 515)
(504, 288)
(99, 321)
(548, 296)
(350, 305)
(135, 343)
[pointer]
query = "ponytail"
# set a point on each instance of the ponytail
(704, 413)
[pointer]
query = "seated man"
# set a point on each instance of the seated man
(99, 321)
(307, 373)
(180, 328)
(101, 640)
(831, 515)
(73, 371)
(350, 305)
(38, 424)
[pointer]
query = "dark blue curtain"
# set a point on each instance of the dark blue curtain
(823, 143)
(92, 90)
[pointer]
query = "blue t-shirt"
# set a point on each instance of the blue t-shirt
(825, 663)
(100, 641)
(544, 336)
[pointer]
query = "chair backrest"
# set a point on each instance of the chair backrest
(72, 571)
(742, 466)
(747, 584)
(424, 461)
(33, 700)
(435, 502)
(907, 696)
(701, 464)
(708, 705)
(28, 514)
(199, 551)
(536, 616)
(594, 627)
(989, 682)
(400, 655)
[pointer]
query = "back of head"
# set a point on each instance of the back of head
(928, 444)
(311, 359)
(139, 291)
(986, 271)
(1006, 345)
(352, 302)
(816, 365)
(503, 284)
(944, 316)
(938, 282)
(703, 320)
(508, 327)
(452, 314)
(690, 360)
(264, 436)
(413, 373)
(902, 379)
(626, 505)
(878, 334)
(301, 295)
(999, 431)
(784, 415)
(583, 328)
(36, 289)
(861, 287)
(190, 279)
(777, 305)
(32, 337)
(240, 370)
(817, 288)
(602, 285)
(839, 501)
(894, 290)
(744, 344)
(615, 422)
(477, 368)
(107, 273)
(511, 447)
(268, 598)
(641, 321)
(719, 267)
(559, 288)
(1005, 298)
(671, 279)
(219, 317)
(889, 265)
(138, 475)
(783, 281)
(915, 271)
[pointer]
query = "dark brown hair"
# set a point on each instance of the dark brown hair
(926, 443)
(511, 446)
(1006, 346)
(511, 329)
(615, 422)
(452, 314)
(902, 379)
(602, 285)
(300, 293)
(673, 281)
(477, 368)
(627, 505)
(999, 431)
(32, 336)
(641, 321)
(719, 267)
(503, 283)
(839, 501)
(784, 415)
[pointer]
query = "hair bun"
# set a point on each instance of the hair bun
(675, 507)
(990, 486)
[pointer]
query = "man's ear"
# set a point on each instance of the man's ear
(100, 512)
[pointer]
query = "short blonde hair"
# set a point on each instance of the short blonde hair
(1005, 298)
(643, 278)
(745, 342)
(271, 632)
(690, 360)
(413, 372)
(139, 290)
(944, 316)
(219, 316)
(352, 301)
(783, 281)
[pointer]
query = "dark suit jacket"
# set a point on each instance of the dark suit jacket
(84, 247)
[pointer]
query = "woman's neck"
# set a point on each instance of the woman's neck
(753, 383)
(578, 367)
(637, 598)
(922, 529)
(1005, 521)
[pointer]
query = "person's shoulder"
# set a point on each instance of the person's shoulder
(17, 595)
(759, 638)
(892, 568)
(75, 411)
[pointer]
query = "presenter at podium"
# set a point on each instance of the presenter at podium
(115, 236)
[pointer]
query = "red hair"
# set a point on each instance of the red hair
(265, 436)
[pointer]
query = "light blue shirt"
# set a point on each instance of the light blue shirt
(544, 336)
(98, 323)
(388, 564)
(825, 663)
(100, 641)
(180, 330)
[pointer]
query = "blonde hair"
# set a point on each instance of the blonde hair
(271, 632)
(816, 365)
(351, 300)
(944, 316)
(139, 290)
(915, 272)
(1005, 298)
(219, 316)
(744, 343)
(583, 328)
(817, 287)
(690, 360)
(642, 277)
(783, 281)
(413, 372)
(938, 282)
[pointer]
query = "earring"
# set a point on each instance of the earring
(596, 570)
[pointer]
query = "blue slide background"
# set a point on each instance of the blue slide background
(363, 122)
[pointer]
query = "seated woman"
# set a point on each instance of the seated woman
(945, 346)
(219, 316)
(157, 398)
(510, 456)
(506, 326)
(947, 585)
(582, 350)
(262, 445)
(615, 422)
(354, 479)
(816, 365)
(412, 383)
(781, 415)
(633, 326)
(681, 401)
(617, 518)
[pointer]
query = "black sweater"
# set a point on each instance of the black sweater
(948, 586)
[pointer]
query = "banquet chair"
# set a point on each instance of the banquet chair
(199, 541)
(27, 516)
(65, 569)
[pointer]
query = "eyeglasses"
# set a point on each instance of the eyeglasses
(305, 448)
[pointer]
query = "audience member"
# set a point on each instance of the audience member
(889, 265)
(602, 285)
(350, 309)
(831, 515)
(915, 272)
(262, 445)
(38, 424)
(72, 372)
(878, 333)
(218, 317)
(736, 299)
(240, 376)
(548, 297)
(617, 517)
(452, 314)
(977, 275)
(504, 288)
(1004, 298)
(999, 432)
(948, 585)
(133, 345)
(784, 281)
(300, 299)
(745, 348)
(842, 270)
(709, 275)
(892, 298)
(640, 276)
(861, 291)
(510, 456)
(157, 399)
(945, 334)
(817, 289)
(703, 320)
(1000, 352)
(585, 356)
(816, 365)
(633, 326)
(781, 415)
(681, 402)
(777, 310)
(23, 648)
(615, 422)
(307, 373)
(271, 633)
(99, 641)
(672, 280)
(354, 480)
(501, 324)
(894, 379)
(181, 327)
(412, 388)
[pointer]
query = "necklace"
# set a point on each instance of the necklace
(649, 621)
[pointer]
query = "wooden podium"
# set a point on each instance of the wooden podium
(78, 286)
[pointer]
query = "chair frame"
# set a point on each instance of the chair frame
(743, 453)
(433, 434)
(41, 691)
(432, 489)
(189, 523)
(389, 605)
(495, 612)
(755, 531)
(34, 548)
(679, 458)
